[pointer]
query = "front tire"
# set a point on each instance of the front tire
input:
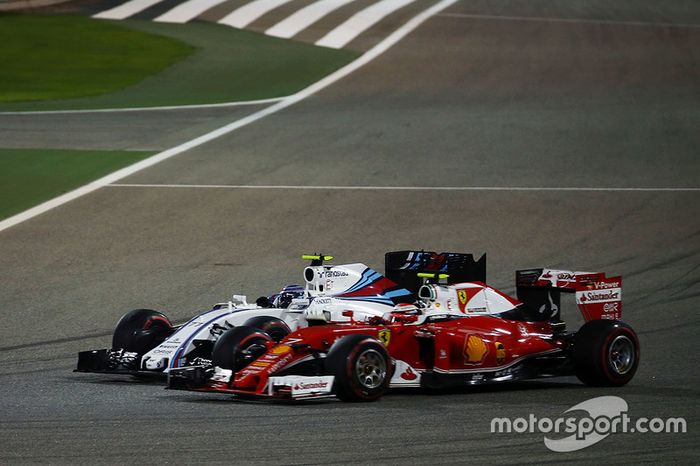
(606, 353)
(273, 326)
(141, 330)
(361, 366)
(240, 346)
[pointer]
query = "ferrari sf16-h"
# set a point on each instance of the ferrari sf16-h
(458, 332)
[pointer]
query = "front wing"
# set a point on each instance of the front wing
(290, 387)
(106, 361)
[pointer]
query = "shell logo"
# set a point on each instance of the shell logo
(475, 350)
(279, 349)
(408, 374)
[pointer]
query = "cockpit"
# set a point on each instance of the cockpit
(474, 298)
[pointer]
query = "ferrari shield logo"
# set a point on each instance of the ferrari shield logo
(462, 295)
(385, 336)
(500, 352)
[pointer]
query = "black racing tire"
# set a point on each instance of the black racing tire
(605, 353)
(273, 326)
(361, 366)
(141, 330)
(239, 346)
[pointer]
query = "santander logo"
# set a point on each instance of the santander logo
(312, 385)
(408, 374)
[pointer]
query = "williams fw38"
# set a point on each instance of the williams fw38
(145, 342)
(457, 331)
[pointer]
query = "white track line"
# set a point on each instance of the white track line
(243, 16)
(187, 11)
(127, 9)
(611, 22)
(367, 57)
(151, 109)
(360, 22)
(297, 22)
(400, 188)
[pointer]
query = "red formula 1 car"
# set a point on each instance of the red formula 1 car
(458, 332)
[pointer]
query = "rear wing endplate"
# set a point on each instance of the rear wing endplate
(597, 296)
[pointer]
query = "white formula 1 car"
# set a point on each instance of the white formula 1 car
(146, 342)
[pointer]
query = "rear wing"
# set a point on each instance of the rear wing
(402, 267)
(597, 296)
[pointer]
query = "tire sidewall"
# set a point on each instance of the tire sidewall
(591, 348)
(608, 372)
(341, 360)
(226, 348)
(273, 326)
(141, 330)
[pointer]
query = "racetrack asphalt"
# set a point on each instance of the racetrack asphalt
(461, 101)
(120, 130)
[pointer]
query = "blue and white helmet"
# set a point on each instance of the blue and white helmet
(284, 298)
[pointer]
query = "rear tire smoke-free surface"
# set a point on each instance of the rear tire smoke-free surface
(239, 346)
(141, 330)
(361, 366)
(606, 353)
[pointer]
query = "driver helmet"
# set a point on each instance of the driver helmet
(284, 298)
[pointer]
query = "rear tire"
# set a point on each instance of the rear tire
(239, 346)
(361, 366)
(273, 326)
(606, 353)
(141, 330)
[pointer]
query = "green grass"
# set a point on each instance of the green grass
(61, 57)
(68, 62)
(31, 176)
(227, 64)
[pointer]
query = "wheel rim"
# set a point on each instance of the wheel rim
(370, 369)
(249, 353)
(621, 354)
